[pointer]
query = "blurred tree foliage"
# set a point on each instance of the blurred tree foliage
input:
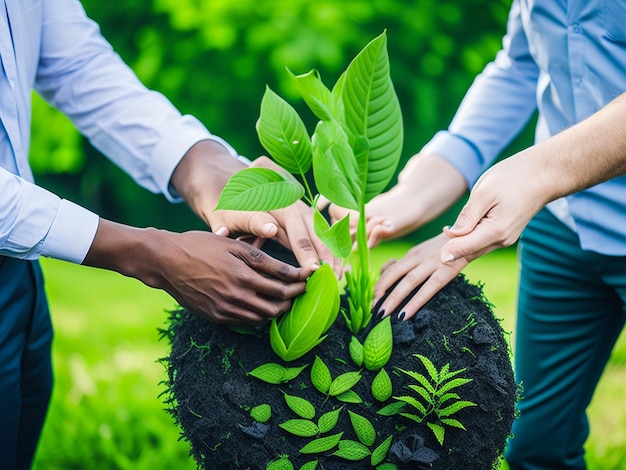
(213, 59)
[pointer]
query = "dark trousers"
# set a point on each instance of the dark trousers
(25, 363)
(570, 314)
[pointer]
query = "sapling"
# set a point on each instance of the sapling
(353, 153)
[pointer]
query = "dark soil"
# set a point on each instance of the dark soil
(210, 393)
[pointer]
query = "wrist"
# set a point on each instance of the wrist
(201, 175)
(132, 252)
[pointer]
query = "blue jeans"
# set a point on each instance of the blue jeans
(25, 363)
(570, 313)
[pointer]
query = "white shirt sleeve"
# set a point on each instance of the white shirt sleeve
(35, 222)
(61, 52)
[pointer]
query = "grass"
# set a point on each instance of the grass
(106, 412)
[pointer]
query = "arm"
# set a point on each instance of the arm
(494, 110)
(508, 195)
(504, 200)
(145, 135)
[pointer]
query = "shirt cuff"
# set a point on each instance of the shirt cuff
(71, 233)
(459, 152)
(173, 147)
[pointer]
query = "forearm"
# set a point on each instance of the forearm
(427, 186)
(584, 155)
(130, 251)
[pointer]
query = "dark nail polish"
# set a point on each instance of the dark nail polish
(380, 314)
(401, 316)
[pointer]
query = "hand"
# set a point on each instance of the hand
(292, 226)
(220, 279)
(427, 186)
(500, 205)
(406, 285)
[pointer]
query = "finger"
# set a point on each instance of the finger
(437, 281)
(222, 232)
(303, 246)
(261, 262)
(484, 239)
(322, 203)
(378, 228)
(471, 214)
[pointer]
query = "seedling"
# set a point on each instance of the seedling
(435, 397)
(353, 153)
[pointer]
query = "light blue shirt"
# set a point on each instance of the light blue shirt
(52, 47)
(566, 59)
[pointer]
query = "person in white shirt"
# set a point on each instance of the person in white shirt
(53, 47)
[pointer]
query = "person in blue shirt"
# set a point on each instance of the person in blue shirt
(52, 47)
(564, 60)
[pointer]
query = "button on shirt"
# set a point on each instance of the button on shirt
(51, 46)
(566, 59)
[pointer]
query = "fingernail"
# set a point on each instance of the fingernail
(388, 223)
(401, 316)
(269, 229)
(447, 227)
(222, 231)
(447, 258)
(380, 314)
(315, 266)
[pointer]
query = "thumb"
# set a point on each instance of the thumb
(262, 225)
(467, 220)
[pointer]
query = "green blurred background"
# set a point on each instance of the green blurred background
(213, 59)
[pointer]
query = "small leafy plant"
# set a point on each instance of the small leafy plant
(353, 153)
(435, 397)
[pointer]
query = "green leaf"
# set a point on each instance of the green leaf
(300, 406)
(336, 237)
(349, 396)
(335, 167)
(300, 427)
(317, 96)
(343, 383)
(391, 409)
(281, 464)
(293, 372)
(312, 465)
(387, 466)
(454, 407)
(380, 453)
(283, 134)
(373, 116)
(409, 400)
(322, 444)
(261, 413)
(328, 420)
(381, 386)
(421, 379)
(448, 396)
(276, 341)
(421, 391)
(356, 351)
(351, 450)
(454, 423)
(378, 345)
(311, 315)
(438, 431)
(411, 416)
(259, 189)
(452, 384)
(363, 428)
(320, 375)
(270, 372)
(430, 367)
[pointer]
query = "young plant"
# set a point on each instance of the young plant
(354, 152)
(435, 397)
